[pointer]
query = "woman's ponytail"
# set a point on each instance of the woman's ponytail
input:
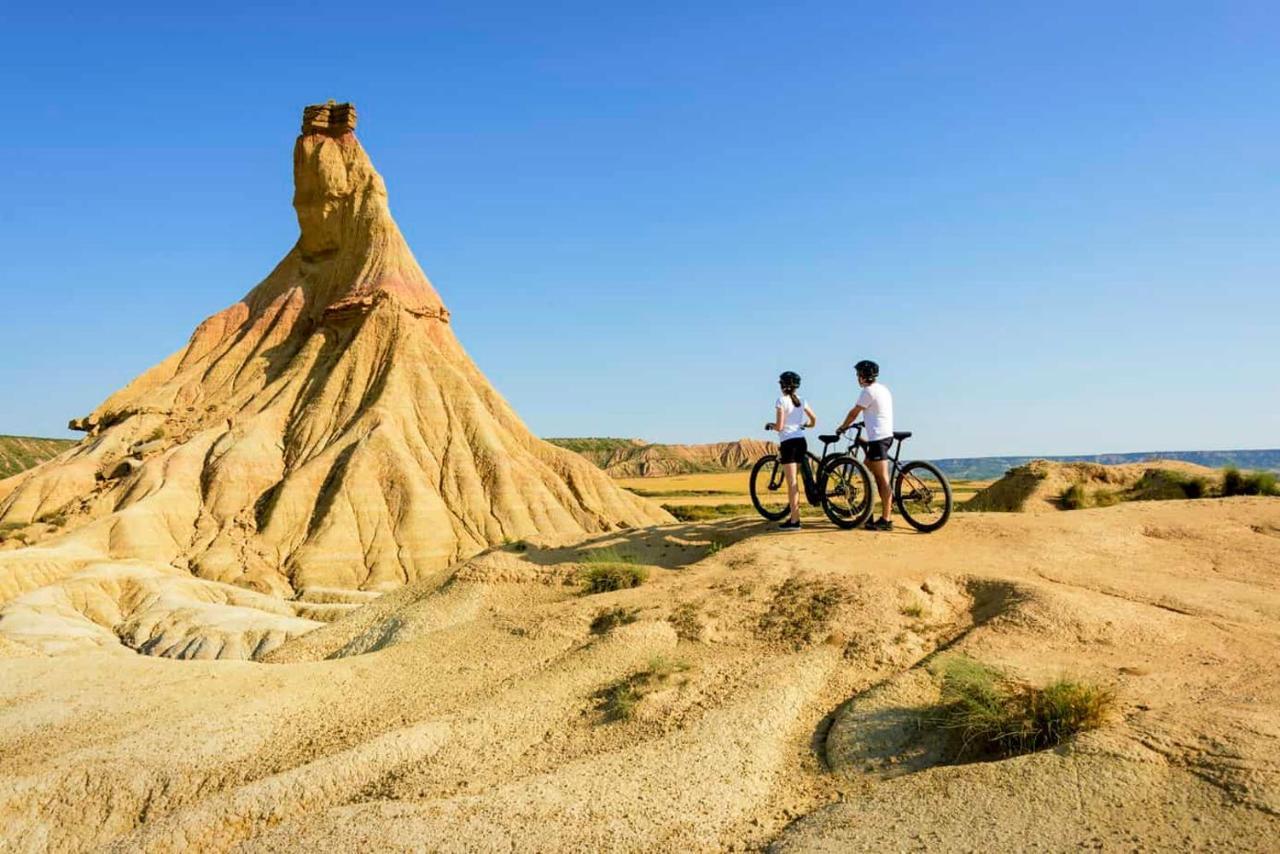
(795, 401)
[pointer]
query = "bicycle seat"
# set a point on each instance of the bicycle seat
(901, 434)
(828, 438)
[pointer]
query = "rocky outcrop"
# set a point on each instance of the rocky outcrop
(327, 430)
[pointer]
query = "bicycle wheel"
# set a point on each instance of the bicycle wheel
(769, 488)
(845, 485)
(923, 496)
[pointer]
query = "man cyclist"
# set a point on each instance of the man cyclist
(876, 401)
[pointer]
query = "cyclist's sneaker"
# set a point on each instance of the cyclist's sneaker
(881, 525)
(789, 526)
(871, 523)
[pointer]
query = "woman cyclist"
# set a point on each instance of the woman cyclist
(792, 416)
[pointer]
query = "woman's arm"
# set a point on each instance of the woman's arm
(813, 419)
(778, 419)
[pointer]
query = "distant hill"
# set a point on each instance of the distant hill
(988, 468)
(638, 458)
(19, 453)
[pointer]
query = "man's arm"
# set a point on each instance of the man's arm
(850, 418)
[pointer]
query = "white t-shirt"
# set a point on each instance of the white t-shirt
(793, 418)
(878, 415)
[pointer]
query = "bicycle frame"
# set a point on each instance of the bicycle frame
(809, 467)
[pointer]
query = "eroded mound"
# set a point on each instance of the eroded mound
(326, 431)
(1041, 485)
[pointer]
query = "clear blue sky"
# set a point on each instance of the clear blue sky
(1053, 224)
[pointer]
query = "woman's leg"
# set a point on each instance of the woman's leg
(793, 491)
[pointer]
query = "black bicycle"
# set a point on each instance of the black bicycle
(921, 492)
(839, 483)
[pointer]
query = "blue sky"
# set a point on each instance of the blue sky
(1054, 225)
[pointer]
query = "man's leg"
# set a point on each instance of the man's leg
(880, 469)
(793, 491)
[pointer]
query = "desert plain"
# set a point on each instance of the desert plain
(310, 583)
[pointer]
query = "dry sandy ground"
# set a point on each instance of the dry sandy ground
(458, 714)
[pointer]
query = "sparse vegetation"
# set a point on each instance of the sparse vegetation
(607, 577)
(155, 435)
(1106, 498)
(608, 619)
(685, 619)
(19, 453)
(679, 493)
(706, 512)
(1073, 497)
(605, 555)
(1236, 482)
(520, 546)
(800, 611)
(987, 714)
(714, 547)
(914, 610)
(1168, 485)
(618, 701)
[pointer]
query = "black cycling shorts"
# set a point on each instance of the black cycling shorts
(792, 450)
(878, 450)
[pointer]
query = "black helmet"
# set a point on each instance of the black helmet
(789, 380)
(867, 369)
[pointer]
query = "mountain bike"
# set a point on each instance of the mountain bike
(921, 492)
(840, 489)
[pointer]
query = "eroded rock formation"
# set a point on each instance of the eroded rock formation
(327, 430)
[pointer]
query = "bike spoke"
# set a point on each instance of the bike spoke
(923, 496)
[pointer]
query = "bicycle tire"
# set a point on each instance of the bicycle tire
(902, 504)
(769, 462)
(851, 471)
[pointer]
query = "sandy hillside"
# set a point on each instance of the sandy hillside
(19, 453)
(325, 433)
(1038, 486)
(635, 458)
(461, 712)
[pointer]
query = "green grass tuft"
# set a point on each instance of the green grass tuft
(1073, 497)
(607, 577)
(706, 512)
(987, 714)
(618, 701)
(605, 555)
(1236, 482)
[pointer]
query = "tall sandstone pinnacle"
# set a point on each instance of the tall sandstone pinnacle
(327, 430)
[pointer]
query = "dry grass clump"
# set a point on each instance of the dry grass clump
(1236, 482)
(605, 578)
(1169, 485)
(988, 714)
(1073, 497)
(800, 611)
(686, 621)
(618, 701)
(608, 619)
